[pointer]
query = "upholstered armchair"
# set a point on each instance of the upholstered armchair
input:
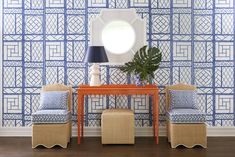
(51, 124)
(185, 122)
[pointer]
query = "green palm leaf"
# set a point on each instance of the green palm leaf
(145, 62)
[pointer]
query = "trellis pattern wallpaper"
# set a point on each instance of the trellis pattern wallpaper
(44, 42)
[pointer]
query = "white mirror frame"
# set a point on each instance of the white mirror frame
(128, 15)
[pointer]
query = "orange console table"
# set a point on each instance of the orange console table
(84, 90)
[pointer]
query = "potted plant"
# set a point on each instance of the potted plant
(145, 62)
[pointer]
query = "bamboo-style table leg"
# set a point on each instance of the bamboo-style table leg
(153, 114)
(155, 125)
(79, 117)
(82, 115)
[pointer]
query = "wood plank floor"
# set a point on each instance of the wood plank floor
(92, 147)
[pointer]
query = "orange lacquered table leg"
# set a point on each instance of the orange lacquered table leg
(154, 114)
(156, 117)
(82, 115)
(79, 116)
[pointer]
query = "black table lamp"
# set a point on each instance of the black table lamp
(96, 55)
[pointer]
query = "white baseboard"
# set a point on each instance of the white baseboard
(95, 131)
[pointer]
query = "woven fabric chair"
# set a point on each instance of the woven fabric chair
(186, 133)
(51, 134)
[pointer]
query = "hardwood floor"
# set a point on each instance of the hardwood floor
(92, 147)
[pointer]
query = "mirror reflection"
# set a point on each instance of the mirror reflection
(118, 37)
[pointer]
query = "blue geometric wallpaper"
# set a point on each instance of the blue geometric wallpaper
(44, 42)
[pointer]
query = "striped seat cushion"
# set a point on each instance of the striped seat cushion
(186, 116)
(51, 116)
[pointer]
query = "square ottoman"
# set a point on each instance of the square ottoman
(117, 126)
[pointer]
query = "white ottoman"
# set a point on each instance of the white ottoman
(117, 126)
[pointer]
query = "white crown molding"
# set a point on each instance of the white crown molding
(95, 132)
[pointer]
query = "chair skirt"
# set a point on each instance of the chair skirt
(50, 135)
(187, 134)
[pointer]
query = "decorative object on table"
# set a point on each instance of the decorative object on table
(96, 55)
(138, 80)
(145, 62)
(52, 123)
(186, 125)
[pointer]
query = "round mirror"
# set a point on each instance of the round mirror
(118, 37)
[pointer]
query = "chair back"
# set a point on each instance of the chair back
(60, 87)
(179, 86)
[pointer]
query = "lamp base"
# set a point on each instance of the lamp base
(95, 75)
